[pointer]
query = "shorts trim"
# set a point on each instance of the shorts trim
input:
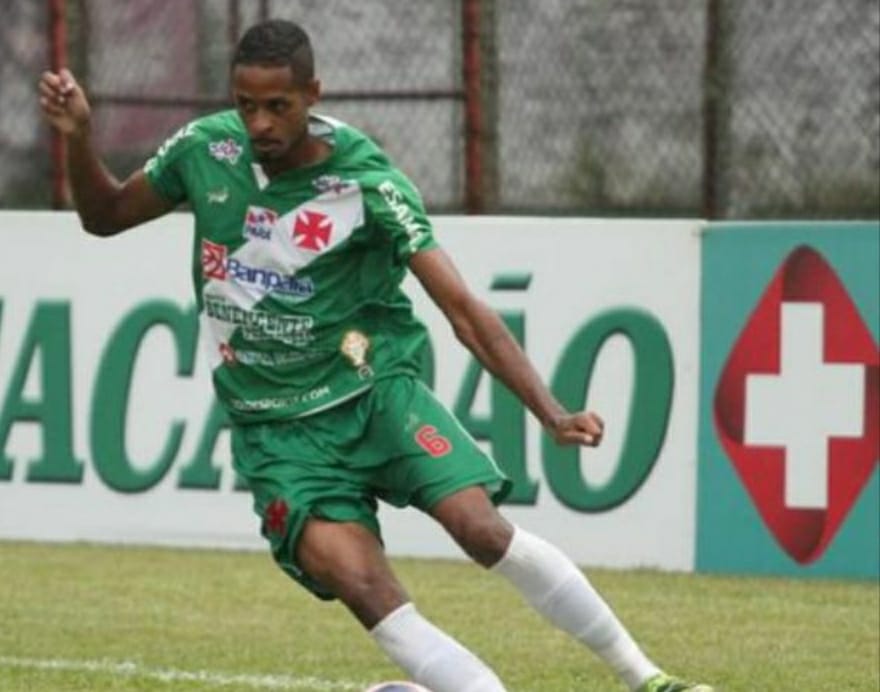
(498, 487)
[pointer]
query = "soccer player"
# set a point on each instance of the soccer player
(303, 233)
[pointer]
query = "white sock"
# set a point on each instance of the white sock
(431, 657)
(558, 590)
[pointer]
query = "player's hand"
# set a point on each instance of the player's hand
(583, 428)
(63, 102)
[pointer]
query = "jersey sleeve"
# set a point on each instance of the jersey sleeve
(398, 210)
(165, 169)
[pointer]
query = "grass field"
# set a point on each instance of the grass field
(84, 617)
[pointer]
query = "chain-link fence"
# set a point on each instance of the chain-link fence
(601, 106)
(25, 161)
(725, 108)
(800, 111)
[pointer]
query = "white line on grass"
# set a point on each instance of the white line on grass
(169, 675)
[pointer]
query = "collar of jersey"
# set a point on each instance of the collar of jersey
(318, 127)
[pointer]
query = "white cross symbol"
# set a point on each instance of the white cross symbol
(805, 404)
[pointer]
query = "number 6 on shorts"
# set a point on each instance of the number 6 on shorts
(433, 442)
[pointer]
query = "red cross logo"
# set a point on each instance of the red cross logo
(276, 516)
(213, 260)
(802, 477)
(312, 230)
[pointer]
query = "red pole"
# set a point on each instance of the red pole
(57, 60)
(473, 112)
(711, 86)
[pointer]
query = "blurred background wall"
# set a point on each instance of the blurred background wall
(715, 108)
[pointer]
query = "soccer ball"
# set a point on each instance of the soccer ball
(397, 686)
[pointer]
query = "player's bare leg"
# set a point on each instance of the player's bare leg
(349, 560)
(475, 524)
(547, 579)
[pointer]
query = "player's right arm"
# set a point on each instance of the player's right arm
(105, 205)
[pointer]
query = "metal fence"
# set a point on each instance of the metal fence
(718, 108)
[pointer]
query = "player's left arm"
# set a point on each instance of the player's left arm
(480, 329)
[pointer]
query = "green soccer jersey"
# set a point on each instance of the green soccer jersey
(297, 278)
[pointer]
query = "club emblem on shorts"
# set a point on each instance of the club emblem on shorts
(275, 516)
(354, 346)
(227, 353)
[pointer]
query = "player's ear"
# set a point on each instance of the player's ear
(313, 91)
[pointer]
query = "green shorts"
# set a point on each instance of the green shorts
(395, 442)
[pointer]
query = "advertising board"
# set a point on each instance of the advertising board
(109, 430)
(789, 469)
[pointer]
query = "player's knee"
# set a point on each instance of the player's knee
(356, 584)
(475, 524)
(485, 540)
(363, 585)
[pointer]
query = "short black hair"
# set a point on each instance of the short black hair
(275, 43)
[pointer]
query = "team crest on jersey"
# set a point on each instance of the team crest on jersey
(213, 260)
(258, 223)
(354, 346)
(226, 150)
(312, 230)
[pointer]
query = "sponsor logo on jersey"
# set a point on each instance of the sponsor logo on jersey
(308, 397)
(226, 150)
(259, 325)
(213, 260)
(275, 358)
(354, 346)
(182, 133)
(258, 223)
(802, 462)
(312, 230)
(403, 213)
(270, 280)
(218, 196)
(331, 183)
(217, 265)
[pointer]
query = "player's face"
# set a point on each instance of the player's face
(274, 107)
